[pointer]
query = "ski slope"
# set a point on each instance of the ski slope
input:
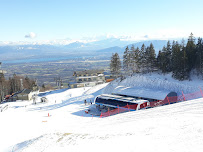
(27, 127)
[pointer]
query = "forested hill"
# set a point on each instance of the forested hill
(182, 59)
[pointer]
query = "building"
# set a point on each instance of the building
(144, 93)
(115, 101)
(132, 95)
(88, 78)
(25, 94)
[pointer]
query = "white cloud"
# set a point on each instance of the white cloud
(30, 35)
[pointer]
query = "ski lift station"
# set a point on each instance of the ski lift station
(115, 101)
(135, 98)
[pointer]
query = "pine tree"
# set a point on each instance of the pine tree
(137, 57)
(191, 51)
(168, 56)
(185, 72)
(160, 60)
(132, 56)
(176, 55)
(115, 65)
(126, 61)
(134, 59)
(142, 60)
(152, 58)
(199, 56)
(163, 60)
(180, 67)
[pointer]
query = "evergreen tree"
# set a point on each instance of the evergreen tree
(163, 60)
(168, 56)
(115, 65)
(185, 72)
(191, 51)
(137, 58)
(199, 56)
(176, 60)
(134, 59)
(180, 67)
(142, 60)
(126, 61)
(160, 60)
(152, 58)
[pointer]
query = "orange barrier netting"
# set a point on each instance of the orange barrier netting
(166, 101)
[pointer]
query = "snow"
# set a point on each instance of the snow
(161, 84)
(27, 127)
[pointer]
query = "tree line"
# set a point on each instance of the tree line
(15, 84)
(180, 59)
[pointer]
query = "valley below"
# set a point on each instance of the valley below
(46, 71)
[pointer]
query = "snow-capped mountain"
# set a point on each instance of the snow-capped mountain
(12, 51)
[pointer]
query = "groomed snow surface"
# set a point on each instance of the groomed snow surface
(62, 125)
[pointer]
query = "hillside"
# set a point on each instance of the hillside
(155, 81)
(176, 127)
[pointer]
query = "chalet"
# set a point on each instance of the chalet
(25, 94)
(88, 78)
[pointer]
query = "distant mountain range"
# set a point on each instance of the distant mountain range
(103, 47)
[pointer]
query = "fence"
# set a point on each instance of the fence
(166, 101)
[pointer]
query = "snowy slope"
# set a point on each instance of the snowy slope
(154, 81)
(27, 127)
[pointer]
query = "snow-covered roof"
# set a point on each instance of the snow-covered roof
(142, 92)
(121, 98)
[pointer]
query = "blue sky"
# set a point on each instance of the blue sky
(76, 19)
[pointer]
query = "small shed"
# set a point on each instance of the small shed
(25, 94)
